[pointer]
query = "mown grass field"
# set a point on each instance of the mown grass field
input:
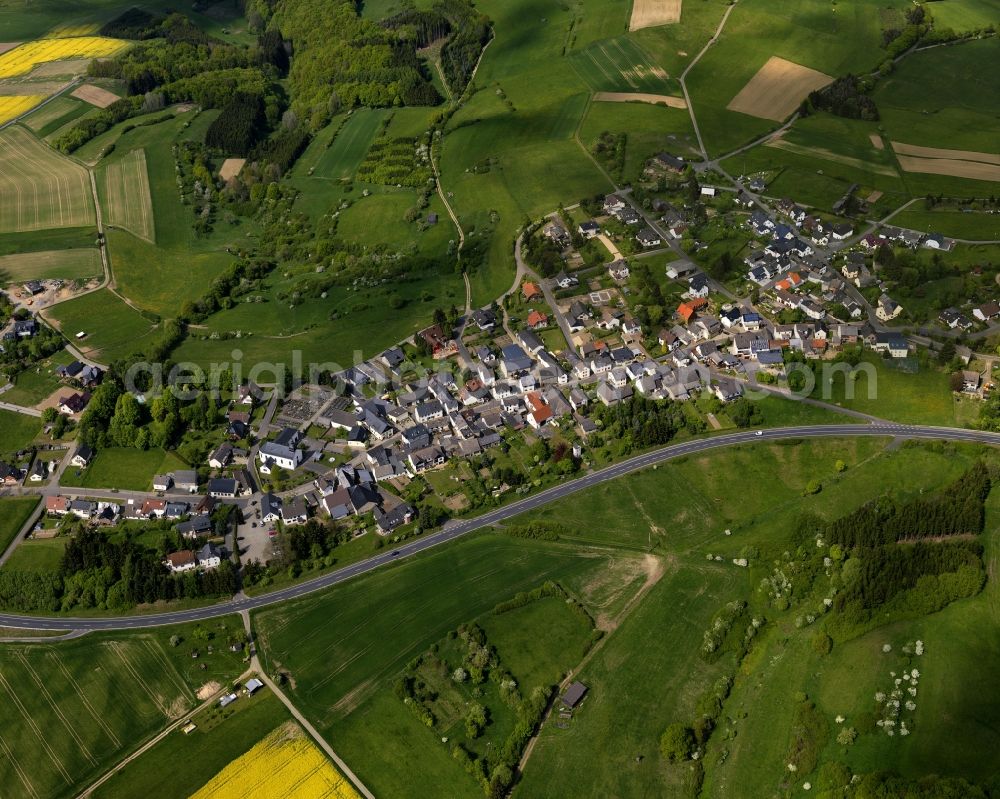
(620, 65)
(47, 240)
(949, 222)
(55, 114)
(51, 264)
(128, 469)
(17, 430)
(113, 328)
(964, 15)
(42, 555)
(950, 725)
(14, 512)
(204, 752)
(638, 681)
(160, 278)
(342, 658)
(74, 708)
(39, 188)
(831, 39)
(124, 193)
(921, 103)
(915, 397)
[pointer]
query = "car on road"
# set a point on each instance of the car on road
(759, 433)
(394, 553)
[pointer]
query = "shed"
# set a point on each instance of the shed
(574, 694)
(252, 685)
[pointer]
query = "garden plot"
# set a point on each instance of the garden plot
(777, 89)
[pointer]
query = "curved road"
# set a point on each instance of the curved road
(460, 528)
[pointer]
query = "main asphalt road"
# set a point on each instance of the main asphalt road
(457, 529)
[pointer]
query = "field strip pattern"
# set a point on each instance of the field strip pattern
(35, 729)
(972, 170)
(168, 668)
(85, 700)
(44, 692)
(829, 155)
(40, 189)
(127, 196)
(640, 97)
(17, 767)
(122, 655)
(938, 152)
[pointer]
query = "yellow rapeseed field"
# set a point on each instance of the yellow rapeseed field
(285, 765)
(14, 106)
(22, 59)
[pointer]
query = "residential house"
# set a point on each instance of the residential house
(619, 270)
(987, 312)
(648, 237)
(209, 556)
(181, 561)
(537, 320)
(589, 229)
(222, 488)
(893, 343)
(698, 286)
(887, 308)
(221, 457)
(75, 403)
(83, 456)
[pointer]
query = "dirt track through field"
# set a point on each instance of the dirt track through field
(776, 90)
(17, 767)
(972, 170)
(650, 13)
(939, 152)
(639, 97)
(779, 143)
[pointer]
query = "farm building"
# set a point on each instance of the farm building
(574, 694)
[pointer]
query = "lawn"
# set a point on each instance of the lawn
(965, 15)
(14, 512)
(342, 658)
(36, 384)
(114, 329)
(42, 555)
(910, 392)
(950, 222)
(127, 469)
(204, 753)
(17, 430)
(75, 708)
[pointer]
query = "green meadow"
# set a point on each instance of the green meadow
(127, 469)
(17, 430)
(75, 708)
(342, 658)
(114, 329)
(834, 40)
(14, 512)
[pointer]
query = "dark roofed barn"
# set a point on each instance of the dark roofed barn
(574, 694)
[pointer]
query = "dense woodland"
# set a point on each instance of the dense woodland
(845, 97)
